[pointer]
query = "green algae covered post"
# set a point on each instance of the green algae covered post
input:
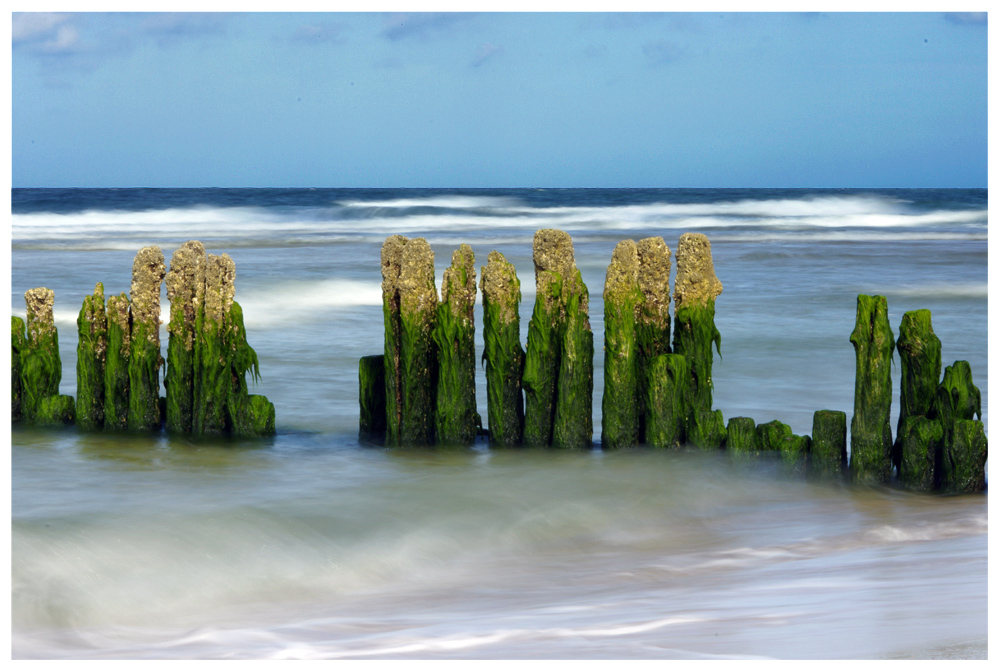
(552, 252)
(247, 415)
(145, 359)
(18, 344)
(212, 366)
(392, 259)
(622, 405)
(186, 292)
(502, 350)
(828, 452)
(653, 329)
(455, 337)
(91, 349)
(742, 438)
(795, 453)
(371, 393)
(771, 434)
(920, 364)
(418, 353)
(665, 393)
(573, 424)
(920, 441)
(41, 366)
(116, 377)
(871, 435)
(964, 451)
(695, 290)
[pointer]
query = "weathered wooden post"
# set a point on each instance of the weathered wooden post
(871, 436)
(212, 376)
(502, 351)
(653, 341)
(145, 359)
(920, 449)
(553, 257)
(409, 306)
(116, 364)
(795, 453)
(695, 290)
(371, 393)
(771, 434)
(920, 363)
(91, 350)
(666, 388)
(573, 424)
(247, 415)
(455, 337)
(828, 452)
(742, 439)
(41, 366)
(18, 344)
(186, 292)
(622, 406)
(964, 451)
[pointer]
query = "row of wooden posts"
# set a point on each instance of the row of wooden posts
(657, 389)
(119, 359)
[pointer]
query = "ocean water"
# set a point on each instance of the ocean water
(312, 545)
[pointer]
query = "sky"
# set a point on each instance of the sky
(499, 100)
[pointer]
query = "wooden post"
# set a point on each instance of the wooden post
(871, 436)
(502, 351)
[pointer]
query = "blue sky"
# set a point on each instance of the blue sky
(499, 100)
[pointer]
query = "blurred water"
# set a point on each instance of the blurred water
(310, 545)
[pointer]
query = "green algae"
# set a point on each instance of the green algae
(247, 415)
(145, 359)
(55, 410)
(18, 343)
(502, 351)
(455, 337)
(116, 369)
(41, 367)
(418, 352)
(622, 405)
(392, 257)
(213, 378)
(871, 435)
(742, 439)
(707, 430)
(920, 364)
(828, 452)
(91, 349)
(541, 360)
(185, 283)
(667, 377)
(371, 393)
(920, 440)
(771, 434)
(794, 451)
(957, 397)
(573, 418)
(964, 457)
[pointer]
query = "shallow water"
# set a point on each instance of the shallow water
(311, 545)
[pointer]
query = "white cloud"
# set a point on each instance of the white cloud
(45, 32)
(486, 52)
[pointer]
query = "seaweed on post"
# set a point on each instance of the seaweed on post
(920, 364)
(964, 449)
(552, 252)
(695, 290)
(622, 403)
(572, 425)
(41, 366)
(186, 292)
(502, 350)
(742, 439)
(116, 367)
(920, 441)
(392, 259)
(371, 394)
(665, 394)
(91, 350)
(871, 435)
(771, 434)
(828, 452)
(247, 415)
(418, 354)
(18, 344)
(145, 359)
(653, 316)
(212, 366)
(455, 336)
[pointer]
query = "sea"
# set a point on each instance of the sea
(315, 545)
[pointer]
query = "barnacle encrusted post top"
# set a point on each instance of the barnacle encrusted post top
(623, 271)
(552, 250)
(501, 287)
(416, 277)
(654, 278)
(392, 257)
(148, 270)
(458, 286)
(220, 286)
(39, 302)
(696, 283)
(186, 288)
